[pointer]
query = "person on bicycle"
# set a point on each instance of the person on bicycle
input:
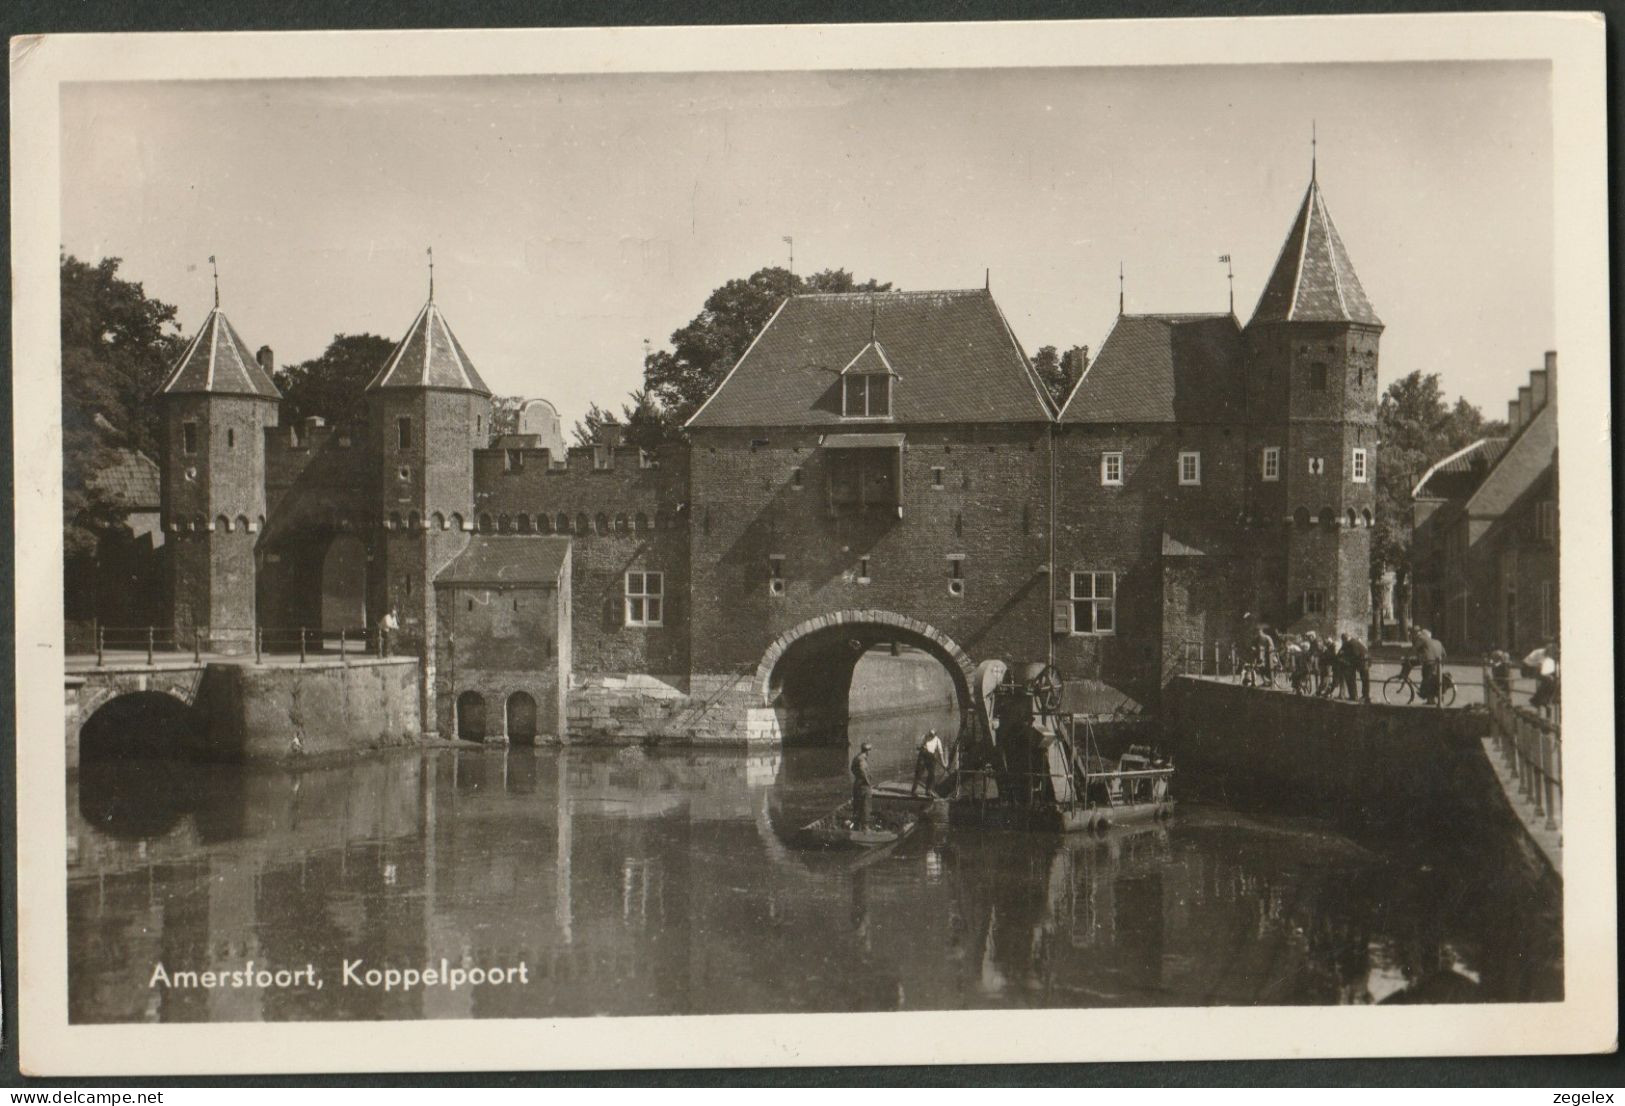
(1430, 655)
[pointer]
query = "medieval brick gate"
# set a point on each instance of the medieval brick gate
(805, 675)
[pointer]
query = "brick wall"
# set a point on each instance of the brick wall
(498, 641)
(979, 493)
(623, 518)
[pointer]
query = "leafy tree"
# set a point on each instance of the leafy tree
(587, 426)
(333, 386)
(677, 381)
(1416, 428)
(117, 347)
(1060, 371)
(505, 415)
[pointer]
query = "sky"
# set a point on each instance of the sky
(573, 217)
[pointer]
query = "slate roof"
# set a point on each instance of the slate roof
(1163, 368)
(953, 354)
(507, 559)
(1314, 280)
(218, 362)
(130, 482)
(429, 357)
(1526, 458)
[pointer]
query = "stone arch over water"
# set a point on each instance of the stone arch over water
(806, 673)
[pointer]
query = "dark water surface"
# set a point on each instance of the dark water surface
(667, 883)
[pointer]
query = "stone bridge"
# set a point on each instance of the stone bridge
(139, 690)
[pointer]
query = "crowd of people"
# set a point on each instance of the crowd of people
(1314, 665)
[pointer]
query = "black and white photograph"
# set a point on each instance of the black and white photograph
(1013, 550)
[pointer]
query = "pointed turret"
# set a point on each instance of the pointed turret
(1314, 280)
(429, 357)
(217, 362)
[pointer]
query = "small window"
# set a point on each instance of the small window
(775, 578)
(1272, 463)
(1190, 468)
(863, 570)
(513, 460)
(403, 432)
(1314, 601)
(795, 478)
(866, 396)
(1317, 376)
(231, 437)
(645, 598)
(956, 576)
(1111, 469)
(1358, 470)
(1094, 602)
(1546, 520)
(936, 477)
(1317, 466)
(479, 424)
(1546, 609)
(188, 437)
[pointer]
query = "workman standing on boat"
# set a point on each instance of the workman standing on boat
(862, 785)
(930, 760)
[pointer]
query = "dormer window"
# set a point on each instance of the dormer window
(866, 396)
(866, 384)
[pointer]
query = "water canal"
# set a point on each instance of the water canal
(634, 882)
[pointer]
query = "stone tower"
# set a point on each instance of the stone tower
(429, 411)
(217, 404)
(1312, 423)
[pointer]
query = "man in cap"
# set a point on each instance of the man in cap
(862, 785)
(928, 762)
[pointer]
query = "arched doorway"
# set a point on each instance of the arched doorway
(521, 719)
(471, 716)
(875, 675)
(344, 584)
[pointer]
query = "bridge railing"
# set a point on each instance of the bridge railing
(169, 642)
(1531, 745)
(1205, 658)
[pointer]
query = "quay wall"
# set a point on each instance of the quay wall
(285, 712)
(1404, 768)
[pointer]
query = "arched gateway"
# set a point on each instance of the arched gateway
(806, 673)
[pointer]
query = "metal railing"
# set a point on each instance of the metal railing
(1200, 658)
(168, 642)
(1531, 745)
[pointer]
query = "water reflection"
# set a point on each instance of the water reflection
(639, 883)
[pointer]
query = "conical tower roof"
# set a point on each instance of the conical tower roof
(218, 362)
(429, 357)
(1314, 280)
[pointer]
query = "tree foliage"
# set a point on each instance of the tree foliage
(645, 424)
(1416, 428)
(117, 347)
(677, 381)
(1060, 371)
(333, 386)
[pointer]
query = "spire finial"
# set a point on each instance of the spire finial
(216, 270)
(1119, 289)
(1313, 151)
(1230, 275)
(987, 279)
(431, 274)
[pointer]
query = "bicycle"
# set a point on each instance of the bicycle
(1400, 690)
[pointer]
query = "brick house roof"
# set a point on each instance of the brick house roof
(953, 356)
(217, 361)
(1163, 368)
(130, 482)
(1458, 474)
(496, 560)
(1314, 280)
(1526, 458)
(429, 357)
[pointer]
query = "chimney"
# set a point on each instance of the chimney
(1525, 407)
(267, 360)
(1512, 417)
(1537, 388)
(1551, 376)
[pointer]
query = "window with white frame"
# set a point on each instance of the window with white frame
(645, 598)
(1111, 469)
(1357, 471)
(1190, 467)
(1094, 602)
(188, 437)
(1314, 601)
(1546, 520)
(1271, 465)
